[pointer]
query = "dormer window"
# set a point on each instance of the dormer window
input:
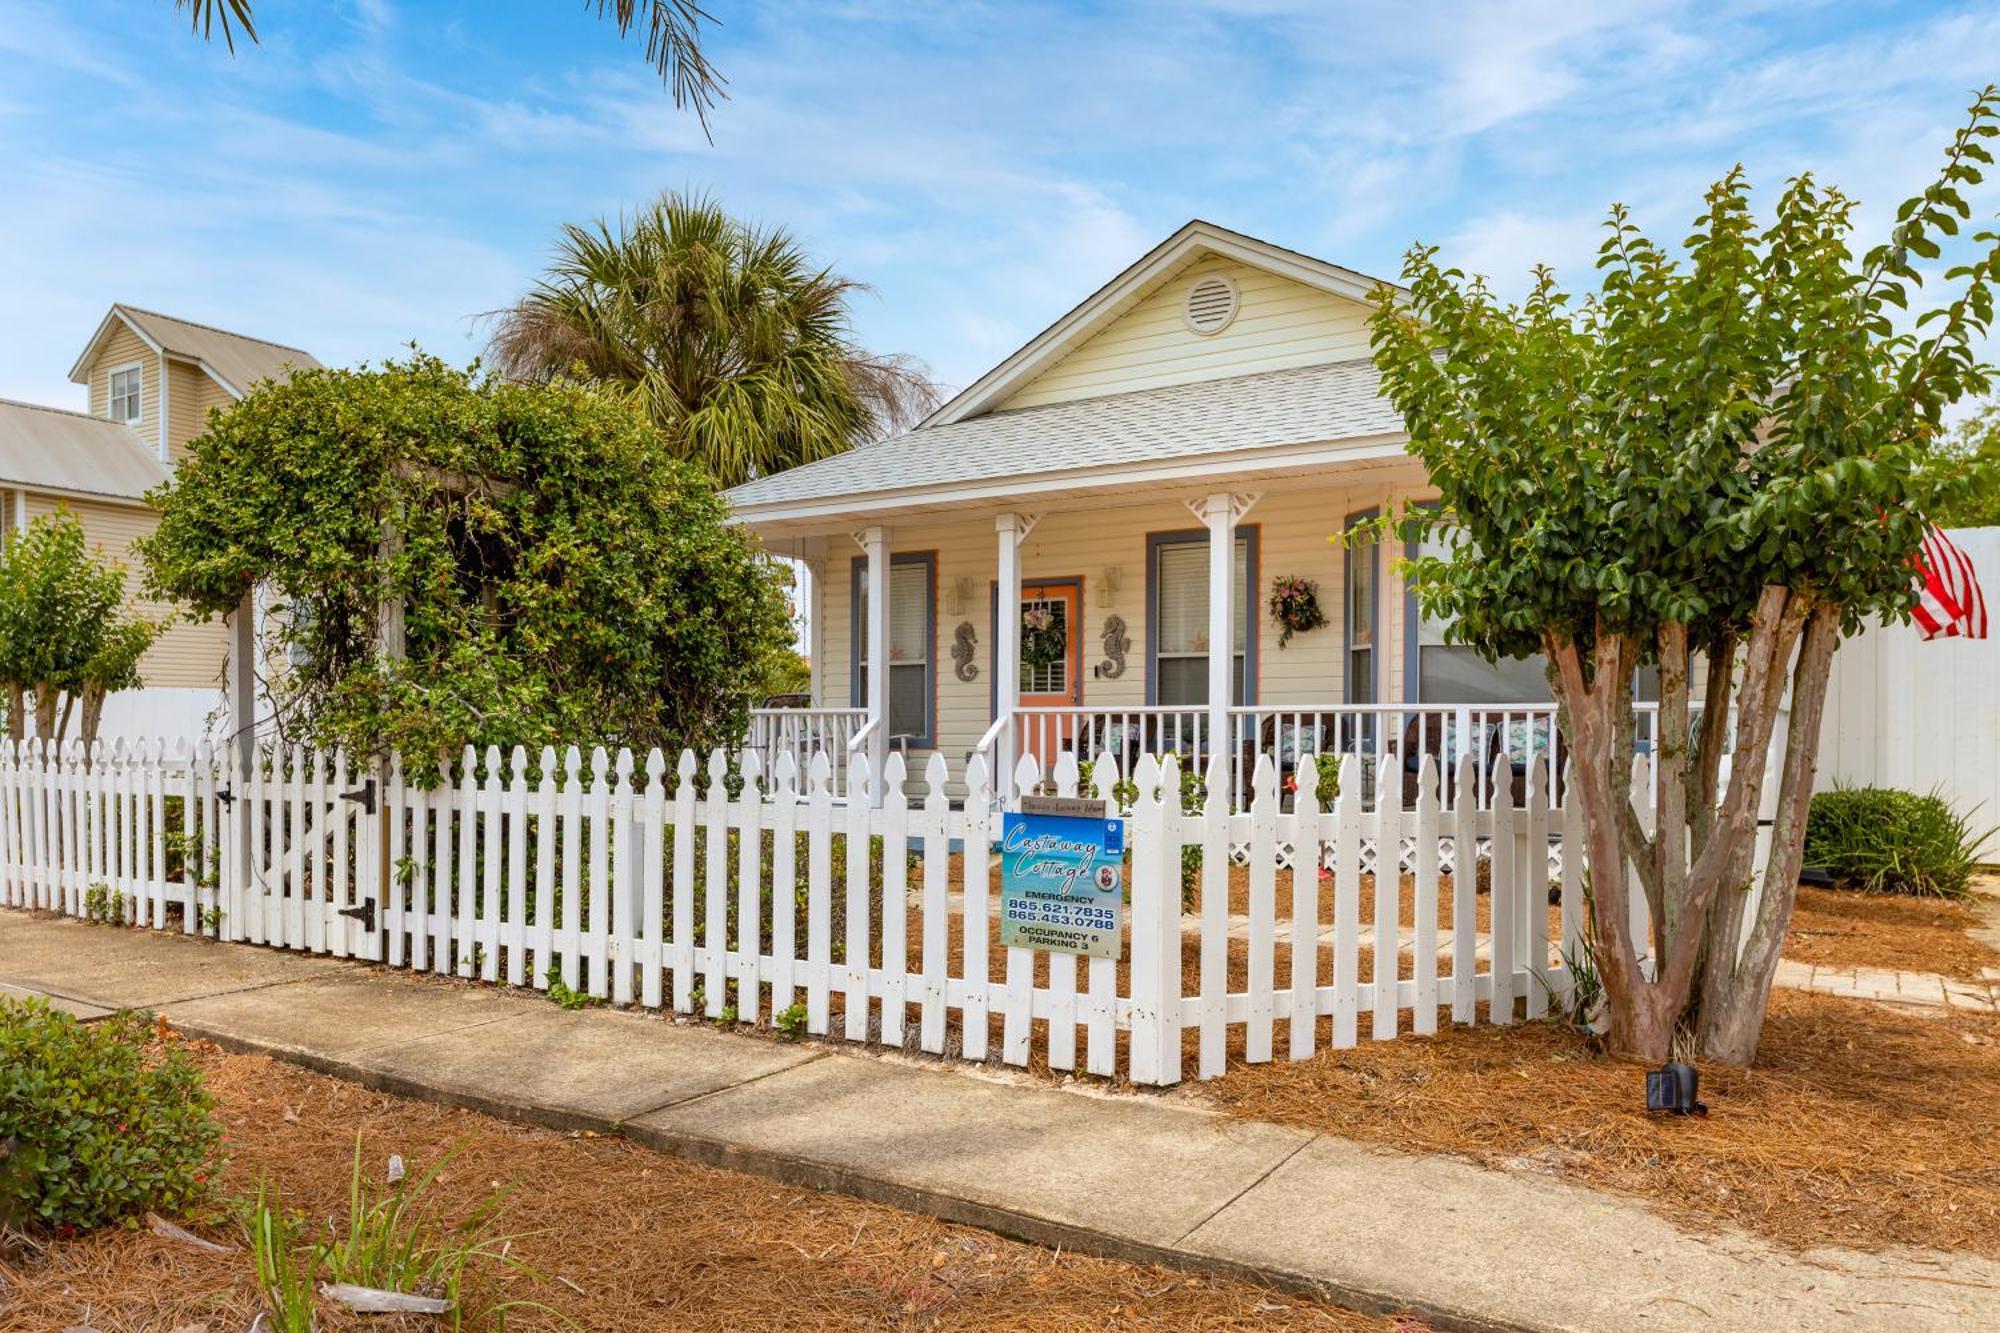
(125, 395)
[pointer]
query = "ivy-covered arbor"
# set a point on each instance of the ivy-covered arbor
(449, 559)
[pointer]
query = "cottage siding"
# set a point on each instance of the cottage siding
(1279, 324)
(122, 348)
(191, 395)
(187, 655)
(1294, 526)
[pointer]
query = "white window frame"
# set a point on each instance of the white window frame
(137, 368)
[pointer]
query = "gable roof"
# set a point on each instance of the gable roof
(233, 360)
(49, 449)
(1301, 410)
(1191, 242)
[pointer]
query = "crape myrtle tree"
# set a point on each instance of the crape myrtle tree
(451, 559)
(1722, 461)
(66, 636)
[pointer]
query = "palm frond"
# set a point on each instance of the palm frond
(736, 345)
(673, 44)
(232, 13)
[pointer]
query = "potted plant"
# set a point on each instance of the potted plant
(1295, 606)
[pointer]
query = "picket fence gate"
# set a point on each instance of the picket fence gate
(750, 897)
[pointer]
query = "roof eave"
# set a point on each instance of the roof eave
(77, 372)
(1161, 472)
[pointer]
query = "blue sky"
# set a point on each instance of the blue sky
(381, 171)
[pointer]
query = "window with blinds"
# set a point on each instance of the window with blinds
(1364, 583)
(1452, 673)
(1180, 621)
(912, 680)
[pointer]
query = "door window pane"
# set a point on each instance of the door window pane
(1051, 674)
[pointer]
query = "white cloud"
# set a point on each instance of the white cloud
(379, 172)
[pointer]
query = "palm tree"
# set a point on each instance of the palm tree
(673, 40)
(734, 342)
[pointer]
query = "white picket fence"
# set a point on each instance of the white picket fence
(721, 890)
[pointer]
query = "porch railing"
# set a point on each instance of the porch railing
(1502, 738)
(804, 732)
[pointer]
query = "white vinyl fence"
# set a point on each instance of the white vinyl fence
(1924, 717)
(748, 896)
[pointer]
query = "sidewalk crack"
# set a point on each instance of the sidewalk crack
(814, 1058)
(1222, 1207)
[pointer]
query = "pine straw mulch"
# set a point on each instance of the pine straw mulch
(625, 1238)
(1843, 928)
(1860, 1126)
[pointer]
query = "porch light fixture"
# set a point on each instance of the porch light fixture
(958, 596)
(1107, 586)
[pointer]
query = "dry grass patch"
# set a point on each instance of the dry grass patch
(625, 1239)
(1860, 1126)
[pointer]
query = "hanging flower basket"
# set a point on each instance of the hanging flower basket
(1044, 641)
(1295, 606)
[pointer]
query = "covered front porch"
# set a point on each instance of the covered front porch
(1114, 602)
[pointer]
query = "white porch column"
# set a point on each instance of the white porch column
(1009, 529)
(1218, 515)
(815, 607)
(875, 542)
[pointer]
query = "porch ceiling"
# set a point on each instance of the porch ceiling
(1303, 421)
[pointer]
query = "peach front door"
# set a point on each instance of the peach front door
(1051, 613)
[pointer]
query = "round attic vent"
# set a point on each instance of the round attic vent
(1211, 303)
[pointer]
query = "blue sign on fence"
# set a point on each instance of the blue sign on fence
(1062, 877)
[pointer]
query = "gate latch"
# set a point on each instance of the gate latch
(362, 912)
(365, 794)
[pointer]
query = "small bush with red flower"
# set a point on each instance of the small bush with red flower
(98, 1122)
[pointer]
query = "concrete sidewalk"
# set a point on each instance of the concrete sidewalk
(1156, 1178)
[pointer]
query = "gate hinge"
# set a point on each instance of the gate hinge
(362, 912)
(365, 794)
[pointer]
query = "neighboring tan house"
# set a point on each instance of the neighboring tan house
(152, 381)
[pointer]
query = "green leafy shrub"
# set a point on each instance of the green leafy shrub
(1881, 840)
(104, 1123)
(561, 576)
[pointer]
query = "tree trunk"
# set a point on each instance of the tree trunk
(1639, 1027)
(17, 712)
(93, 713)
(46, 698)
(1681, 885)
(1738, 989)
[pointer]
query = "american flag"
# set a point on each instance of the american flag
(1949, 602)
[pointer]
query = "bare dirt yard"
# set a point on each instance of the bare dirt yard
(621, 1238)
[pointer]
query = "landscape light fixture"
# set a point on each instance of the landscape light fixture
(1671, 1090)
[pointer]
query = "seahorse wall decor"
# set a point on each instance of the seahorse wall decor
(964, 645)
(1116, 644)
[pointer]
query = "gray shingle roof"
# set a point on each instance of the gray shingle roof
(1305, 405)
(238, 359)
(46, 447)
